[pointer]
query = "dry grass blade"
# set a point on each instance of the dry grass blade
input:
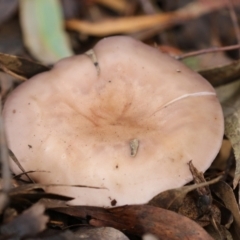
(35, 196)
(29, 187)
(120, 25)
(138, 23)
(14, 75)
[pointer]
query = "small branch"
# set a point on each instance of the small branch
(208, 50)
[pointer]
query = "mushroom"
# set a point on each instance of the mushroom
(123, 117)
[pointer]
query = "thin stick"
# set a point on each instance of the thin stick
(208, 50)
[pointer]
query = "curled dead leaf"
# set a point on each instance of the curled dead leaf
(140, 219)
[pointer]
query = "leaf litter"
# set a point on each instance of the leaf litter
(203, 210)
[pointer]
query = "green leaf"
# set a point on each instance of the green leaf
(43, 30)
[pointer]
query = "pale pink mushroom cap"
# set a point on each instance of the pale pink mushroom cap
(77, 126)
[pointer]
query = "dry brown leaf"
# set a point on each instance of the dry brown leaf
(25, 194)
(21, 66)
(224, 234)
(198, 208)
(138, 23)
(226, 194)
(141, 219)
(190, 208)
(173, 198)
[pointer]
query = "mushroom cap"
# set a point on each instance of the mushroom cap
(73, 126)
